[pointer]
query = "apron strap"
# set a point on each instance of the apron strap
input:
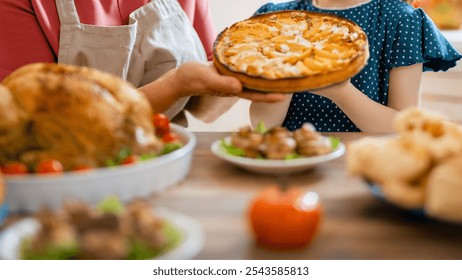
(67, 12)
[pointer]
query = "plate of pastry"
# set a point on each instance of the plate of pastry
(291, 51)
(110, 230)
(277, 150)
(418, 169)
(79, 133)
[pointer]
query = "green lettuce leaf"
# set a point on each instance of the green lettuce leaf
(230, 149)
(111, 205)
(335, 142)
(141, 251)
(261, 128)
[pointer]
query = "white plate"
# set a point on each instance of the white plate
(271, 166)
(32, 192)
(192, 244)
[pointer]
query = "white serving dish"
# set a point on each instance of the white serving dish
(192, 243)
(32, 192)
(271, 166)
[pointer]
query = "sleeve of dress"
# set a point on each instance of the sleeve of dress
(418, 40)
(22, 40)
(271, 7)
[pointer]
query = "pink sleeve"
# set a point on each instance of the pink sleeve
(201, 17)
(22, 40)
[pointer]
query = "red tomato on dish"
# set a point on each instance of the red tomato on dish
(15, 168)
(50, 166)
(285, 219)
(161, 124)
(130, 160)
(170, 137)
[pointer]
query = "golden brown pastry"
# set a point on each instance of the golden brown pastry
(77, 115)
(290, 51)
(442, 138)
(444, 191)
(104, 245)
(383, 159)
(247, 140)
(278, 143)
(310, 142)
(362, 153)
(419, 168)
(403, 194)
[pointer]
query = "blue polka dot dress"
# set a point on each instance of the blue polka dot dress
(398, 35)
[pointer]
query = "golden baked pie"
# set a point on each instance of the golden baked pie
(291, 51)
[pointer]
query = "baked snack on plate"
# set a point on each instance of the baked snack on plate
(418, 169)
(290, 51)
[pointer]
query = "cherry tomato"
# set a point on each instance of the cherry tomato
(161, 124)
(15, 168)
(170, 137)
(285, 219)
(130, 159)
(50, 166)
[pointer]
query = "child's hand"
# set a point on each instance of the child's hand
(332, 91)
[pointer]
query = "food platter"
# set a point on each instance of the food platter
(267, 166)
(192, 243)
(34, 191)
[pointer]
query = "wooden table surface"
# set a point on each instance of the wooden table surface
(355, 224)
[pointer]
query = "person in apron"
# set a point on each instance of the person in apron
(158, 51)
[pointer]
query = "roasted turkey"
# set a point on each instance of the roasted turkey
(77, 115)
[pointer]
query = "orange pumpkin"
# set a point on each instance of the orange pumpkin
(285, 219)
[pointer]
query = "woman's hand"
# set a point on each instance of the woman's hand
(195, 78)
(203, 81)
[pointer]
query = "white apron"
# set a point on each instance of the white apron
(158, 38)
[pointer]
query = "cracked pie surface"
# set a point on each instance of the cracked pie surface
(291, 51)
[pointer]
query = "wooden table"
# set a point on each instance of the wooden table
(355, 225)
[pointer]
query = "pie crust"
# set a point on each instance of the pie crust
(291, 51)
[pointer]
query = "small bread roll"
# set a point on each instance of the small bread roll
(444, 191)
(413, 119)
(440, 137)
(362, 153)
(408, 196)
(385, 159)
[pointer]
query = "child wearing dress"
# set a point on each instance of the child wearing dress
(403, 42)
